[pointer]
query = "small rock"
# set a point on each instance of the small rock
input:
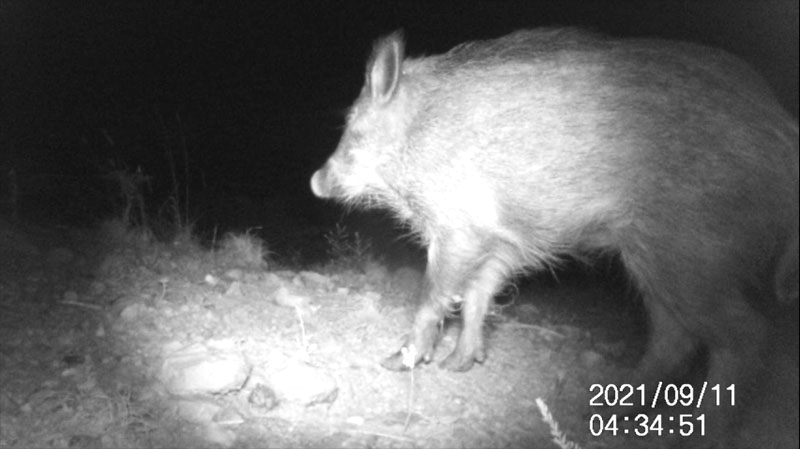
(198, 370)
(304, 384)
(211, 280)
(262, 397)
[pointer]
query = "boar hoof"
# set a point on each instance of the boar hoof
(394, 362)
(459, 362)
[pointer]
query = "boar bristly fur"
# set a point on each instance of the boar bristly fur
(509, 154)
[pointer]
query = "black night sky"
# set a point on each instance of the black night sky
(256, 91)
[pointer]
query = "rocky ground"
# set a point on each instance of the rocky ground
(110, 339)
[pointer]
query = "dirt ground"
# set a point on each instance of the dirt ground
(91, 322)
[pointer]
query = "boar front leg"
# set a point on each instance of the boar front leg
(459, 269)
(424, 332)
(480, 289)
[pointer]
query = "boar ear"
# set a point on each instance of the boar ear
(385, 66)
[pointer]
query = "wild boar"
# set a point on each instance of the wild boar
(507, 155)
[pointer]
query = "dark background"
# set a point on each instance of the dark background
(255, 92)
